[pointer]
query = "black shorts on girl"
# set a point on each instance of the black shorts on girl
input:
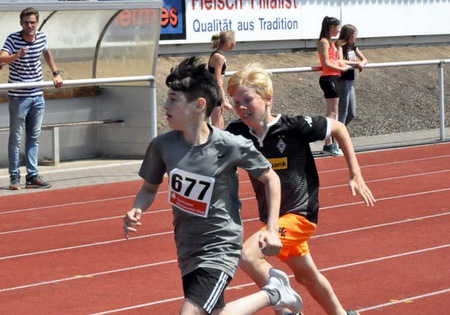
(205, 287)
(329, 85)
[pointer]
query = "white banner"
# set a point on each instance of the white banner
(272, 20)
(251, 19)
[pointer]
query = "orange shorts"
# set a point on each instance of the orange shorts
(294, 231)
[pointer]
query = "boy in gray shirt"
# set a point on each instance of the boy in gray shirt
(201, 162)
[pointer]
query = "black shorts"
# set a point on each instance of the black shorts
(205, 287)
(329, 85)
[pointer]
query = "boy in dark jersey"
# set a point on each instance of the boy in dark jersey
(201, 162)
(284, 141)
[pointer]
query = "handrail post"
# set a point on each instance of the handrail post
(441, 100)
(153, 110)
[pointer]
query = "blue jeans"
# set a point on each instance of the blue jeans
(24, 113)
(347, 101)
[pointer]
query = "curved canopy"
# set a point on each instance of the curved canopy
(90, 39)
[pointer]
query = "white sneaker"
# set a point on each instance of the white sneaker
(335, 150)
(288, 297)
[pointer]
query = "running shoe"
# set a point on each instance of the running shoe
(14, 184)
(37, 182)
(332, 150)
(279, 281)
(336, 151)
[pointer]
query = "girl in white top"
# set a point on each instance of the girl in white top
(352, 56)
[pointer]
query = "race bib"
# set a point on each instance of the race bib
(352, 55)
(190, 192)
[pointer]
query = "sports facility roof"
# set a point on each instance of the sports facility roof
(90, 39)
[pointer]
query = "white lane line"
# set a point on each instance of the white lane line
(63, 205)
(445, 156)
(170, 232)
(44, 227)
(363, 262)
(382, 225)
(168, 209)
(84, 246)
(388, 198)
(92, 275)
(84, 168)
(291, 276)
(77, 203)
(388, 179)
(406, 300)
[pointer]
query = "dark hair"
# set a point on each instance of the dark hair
(327, 22)
(192, 78)
(29, 11)
(347, 32)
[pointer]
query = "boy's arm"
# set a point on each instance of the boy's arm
(356, 183)
(143, 200)
(269, 241)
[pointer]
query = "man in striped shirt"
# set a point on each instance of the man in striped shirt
(22, 51)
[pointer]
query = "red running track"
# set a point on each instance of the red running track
(63, 251)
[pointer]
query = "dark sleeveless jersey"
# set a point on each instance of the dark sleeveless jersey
(286, 146)
(224, 66)
(349, 53)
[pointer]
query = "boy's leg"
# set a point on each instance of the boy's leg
(190, 308)
(247, 305)
(294, 232)
(277, 292)
(204, 291)
(253, 262)
(318, 286)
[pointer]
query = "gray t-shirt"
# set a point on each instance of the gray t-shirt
(203, 191)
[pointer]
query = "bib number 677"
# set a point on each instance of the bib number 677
(189, 186)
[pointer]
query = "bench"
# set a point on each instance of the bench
(55, 132)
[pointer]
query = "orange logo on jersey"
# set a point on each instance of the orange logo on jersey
(279, 163)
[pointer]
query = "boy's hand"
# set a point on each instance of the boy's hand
(269, 243)
(131, 219)
(357, 184)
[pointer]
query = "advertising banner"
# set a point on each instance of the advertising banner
(252, 20)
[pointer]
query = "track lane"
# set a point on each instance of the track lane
(332, 219)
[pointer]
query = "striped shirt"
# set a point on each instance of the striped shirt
(29, 67)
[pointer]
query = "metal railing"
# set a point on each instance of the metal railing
(96, 82)
(153, 100)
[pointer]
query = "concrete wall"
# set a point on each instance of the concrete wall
(127, 140)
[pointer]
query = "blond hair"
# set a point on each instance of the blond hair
(221, 39)
(254, 76)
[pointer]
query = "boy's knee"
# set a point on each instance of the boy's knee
(249, 259)
(246, 258)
